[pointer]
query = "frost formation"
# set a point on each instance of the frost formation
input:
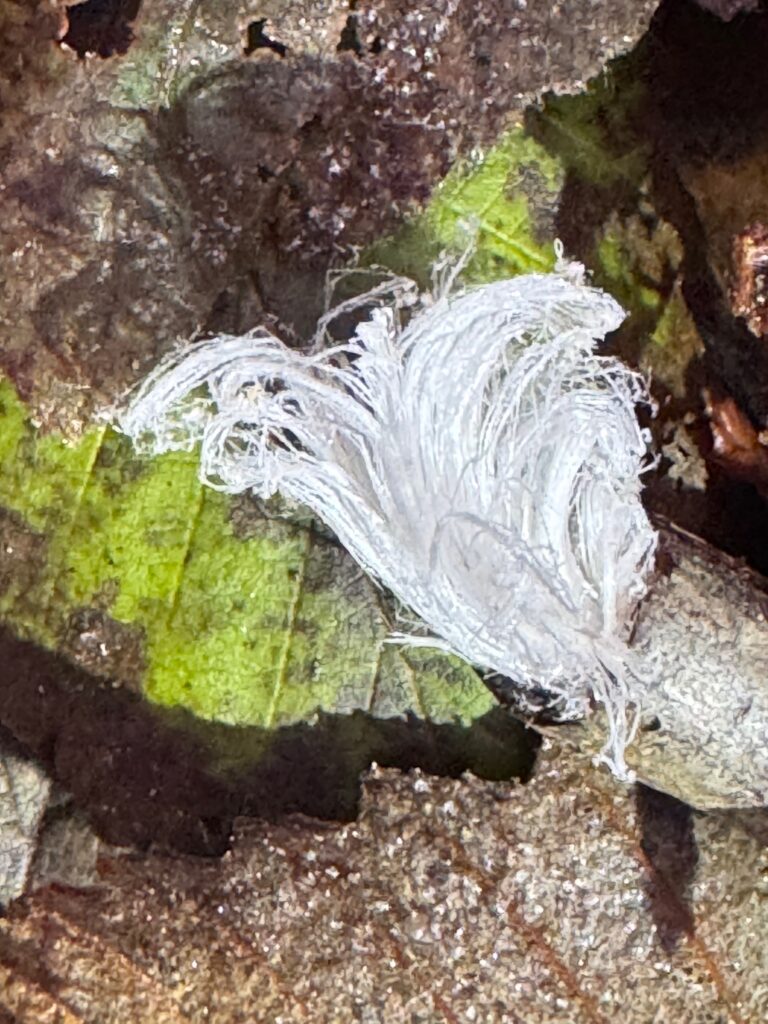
(483, 462)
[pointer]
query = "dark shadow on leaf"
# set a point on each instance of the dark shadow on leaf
(257, 39)
(704, 102)
(690, 93)
(704, 83)
(146, 775)
(349, 39)
(669, 843)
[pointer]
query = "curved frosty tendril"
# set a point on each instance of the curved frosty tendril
(483, 462)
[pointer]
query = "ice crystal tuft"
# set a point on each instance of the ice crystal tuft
(483, 462)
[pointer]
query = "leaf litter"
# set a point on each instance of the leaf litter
(446, 901)
(720, 978)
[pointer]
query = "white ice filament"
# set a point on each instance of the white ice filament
(482, 462)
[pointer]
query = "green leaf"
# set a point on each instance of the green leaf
(502, 202)
(510, 194)
(264, 629)
(595, 132)
(269, 624)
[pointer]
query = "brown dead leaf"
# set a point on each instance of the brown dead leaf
(749, 267)
(467, 65)
(204, 172)
(736, 445)
(565, 899)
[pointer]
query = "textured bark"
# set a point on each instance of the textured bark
(702, 635)
(703, 632)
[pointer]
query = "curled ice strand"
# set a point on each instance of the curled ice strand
(483, 462)
(398, 291)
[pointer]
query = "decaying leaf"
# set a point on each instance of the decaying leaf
(736, 445)
(68, 848)
(200, 178)
(175, 184)
(749, 267)
(113, 563)
(468, 65)
(709, 130)
(665, 167)
(452, 901)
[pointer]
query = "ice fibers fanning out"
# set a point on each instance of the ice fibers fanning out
(482, 461)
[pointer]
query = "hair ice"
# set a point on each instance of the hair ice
(483, 462)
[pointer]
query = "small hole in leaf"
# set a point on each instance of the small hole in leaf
(101, 28)
(257, 39)
(349, 40)
(652, 724)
